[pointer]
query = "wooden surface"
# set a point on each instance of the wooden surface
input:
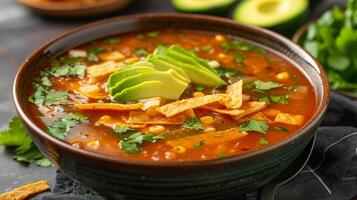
(21, 32)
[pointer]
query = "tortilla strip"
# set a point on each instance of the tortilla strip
(104, 68)
(23, 192)
(257, 116)
(250, 108)
(112, 122)
(291, 119)
(180, 106)
(92, 92)
(210, 138)
(139, 117)
(233, 112)
(111, 56)
(108, 106)
(235, 96)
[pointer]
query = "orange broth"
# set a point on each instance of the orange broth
(264, 66)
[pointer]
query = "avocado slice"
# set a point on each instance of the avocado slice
(197, 75)
(283, 16)
(147, 89)
(170, 78)
(163, 66)
(202, 6)
(128, 71)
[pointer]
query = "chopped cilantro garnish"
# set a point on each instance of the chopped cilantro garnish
(282, 99)
(45, 81)
(46, 97)
(263, 141)
(193, 124)
(153, 34)
(222, 154)
(281, 128)
(60, 128)
(140, 36)
(93, 52)
(133, 143)
(112, 41)
(242, 46)
(293, 87)
(206, 47)
(249, 85)
(141, 52)
(164, 44)
(260, 126)
(16, 136)
(199, 144)
(261, 85)
(226, 72)
(239, 58)
(123, 130)
(199, 87)
(265, 99)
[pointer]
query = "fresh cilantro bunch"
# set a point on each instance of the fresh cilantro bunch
(16, 136)
(333, 41)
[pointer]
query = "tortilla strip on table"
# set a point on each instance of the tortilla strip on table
(209, 138)
(180, 106)
(139, 117)
(108, 106)
(235, 96)
(112, 122)
(250, 108)
(23, 192)
(104, 68)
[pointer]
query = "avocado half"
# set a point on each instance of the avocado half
(283, 16)
(202, 6)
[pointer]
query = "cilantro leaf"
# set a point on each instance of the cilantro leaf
(43, 162)
(153, 34)
(61, 127)
(239, 58)
(29, 156)
(260, 126)
(93, 52)
(67, 66)
(141, 52)
(281, 128)
(261, 85)
(282, 99)
(263, 141)
(45, 96)
(199, 144)
(112, 41)
(226, 72)
(193, 124)
(133, 143)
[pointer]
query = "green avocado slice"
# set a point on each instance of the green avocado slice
(170, 78)
(149, 89)
(126, 72)
(280, 15)
(202, 6)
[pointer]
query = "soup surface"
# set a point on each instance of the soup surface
(171, 95)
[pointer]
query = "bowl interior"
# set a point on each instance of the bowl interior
(104, 28)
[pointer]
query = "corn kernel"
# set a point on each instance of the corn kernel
(198, 94)
(220, 38)
(209, 129)
(156, 129)
(282, 76)
(207, 120)
(93, 144)
(179, 149)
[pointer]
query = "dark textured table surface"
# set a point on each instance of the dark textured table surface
(21, 32)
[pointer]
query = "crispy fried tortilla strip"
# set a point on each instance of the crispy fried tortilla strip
(233, 112)
(108, 106)
(250, 108)
(209, 138)
(23, 192)
(138, 117)
(235, 96)
(110, 121)
(291, 119)
(111, 56)
(256, 116)
(92, 92)
(104, 68)
(180, 106)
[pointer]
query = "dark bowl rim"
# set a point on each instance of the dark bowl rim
(298, 37)
(319, 112)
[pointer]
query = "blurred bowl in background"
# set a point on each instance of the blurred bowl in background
(73, 8)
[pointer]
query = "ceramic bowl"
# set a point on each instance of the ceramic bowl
(225, 178)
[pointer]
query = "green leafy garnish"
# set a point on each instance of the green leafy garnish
(226, 72)
(206, 47)
(16, 136)
(112, 41)
(193, 124)
(133, 143)
(333, 41)
(61, 127)
(282, 99)
(199, 87)
(239, 58)
(66, 66)
(46, 82)
(45, 96)
(141, 52)
(222, 154)
(293, 87)
(281, 128)
(241, 46)
(263, 141)
(199, 144)
(93, 52)
(153, 34)
(123, 131)
(260, 126)
(263, 86)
